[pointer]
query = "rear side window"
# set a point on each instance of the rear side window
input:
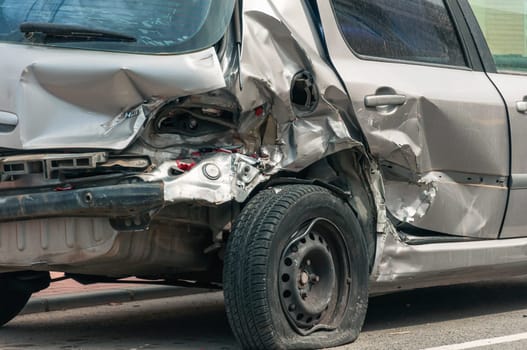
(409, 30)
(504, 24)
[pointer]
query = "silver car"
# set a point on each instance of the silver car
(300, 155)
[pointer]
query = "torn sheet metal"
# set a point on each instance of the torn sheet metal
(126, 126)
(67, 98)
(278, 43)
(255, 126)
(440, 203)
(75, 99)
(216, 180)
(440, 128)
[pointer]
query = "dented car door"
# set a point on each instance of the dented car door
(431, 116)
(501, 29)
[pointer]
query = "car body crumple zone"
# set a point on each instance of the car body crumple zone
(117, 162)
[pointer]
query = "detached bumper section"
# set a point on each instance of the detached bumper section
(116, 201)
(218, 179)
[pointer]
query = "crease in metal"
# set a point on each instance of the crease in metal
(63, 99)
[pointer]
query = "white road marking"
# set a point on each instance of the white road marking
(483, 342)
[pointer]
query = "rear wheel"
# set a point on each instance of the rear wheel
(296, 271)
(11, 303)
(16, 289)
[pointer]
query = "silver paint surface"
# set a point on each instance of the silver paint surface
(66, 98)
(438, 162)
(442, 127)
(514, 89)
(403, 267)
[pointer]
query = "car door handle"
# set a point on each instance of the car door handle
(521, 106)
(8, 119)
(384, 100)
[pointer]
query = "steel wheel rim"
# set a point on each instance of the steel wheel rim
(314, 277)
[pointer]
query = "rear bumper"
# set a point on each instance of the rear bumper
(116, 201)
(158, 226)
(216, 180)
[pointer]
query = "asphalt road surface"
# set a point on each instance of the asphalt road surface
(452, 318)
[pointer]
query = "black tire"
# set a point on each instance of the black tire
(11, 302)
(296, 271)
(15, 290)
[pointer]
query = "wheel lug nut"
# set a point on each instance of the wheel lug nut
(315, 279)
(308, 262)
(304, 278)
(292, 307)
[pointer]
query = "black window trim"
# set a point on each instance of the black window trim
(463, 31)
(315, 19)
(468, 48)
(478, 38)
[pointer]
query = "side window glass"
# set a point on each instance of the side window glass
(504, 25)
(408, 30)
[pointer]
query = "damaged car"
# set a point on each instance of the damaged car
(299, 155)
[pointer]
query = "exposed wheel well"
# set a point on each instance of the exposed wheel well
(347, 175)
